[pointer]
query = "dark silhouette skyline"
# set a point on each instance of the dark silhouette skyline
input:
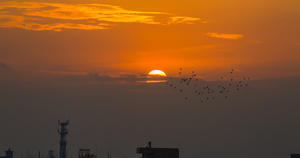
(261, 120)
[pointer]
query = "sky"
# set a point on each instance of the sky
(89, 60)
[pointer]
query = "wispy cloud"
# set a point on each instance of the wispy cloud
(56, 16)
(226, 36)
(68, 74)
(4, 66)
(184, 19)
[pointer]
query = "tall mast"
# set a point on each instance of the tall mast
(63, 138)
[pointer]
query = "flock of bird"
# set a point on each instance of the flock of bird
(189, 85)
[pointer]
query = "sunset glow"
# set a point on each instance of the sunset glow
(117, 37)
(214, 78)
(157, 73)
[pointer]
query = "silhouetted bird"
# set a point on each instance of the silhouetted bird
(224, 88)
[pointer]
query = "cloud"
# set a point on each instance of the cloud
(183, 19)
(75, 76)
(4, 66)
(57, 16)
(66, 74)
(226, 36)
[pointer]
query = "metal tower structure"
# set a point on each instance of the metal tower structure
(63, 138)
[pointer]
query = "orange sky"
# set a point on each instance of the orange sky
(89, 59)
(261, 38)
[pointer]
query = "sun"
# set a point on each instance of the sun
(157, 73)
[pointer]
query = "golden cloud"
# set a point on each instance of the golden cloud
(56, 16)
(226, 36)
(183, 19)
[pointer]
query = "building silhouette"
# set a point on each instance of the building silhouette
(50, 154)
(85, 153)
(295, 155)
(8, 154)
(149, 152)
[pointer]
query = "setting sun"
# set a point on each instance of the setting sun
(157, 73)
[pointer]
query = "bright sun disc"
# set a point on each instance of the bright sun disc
(157, 73)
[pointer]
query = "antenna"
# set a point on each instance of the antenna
(96, 151)
(63, 138)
